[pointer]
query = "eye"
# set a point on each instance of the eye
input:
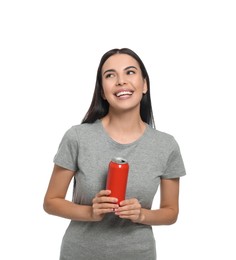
(130, 72)
(109, 75)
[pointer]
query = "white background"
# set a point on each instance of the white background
(49, 53)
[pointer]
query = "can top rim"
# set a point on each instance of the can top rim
(119, 160)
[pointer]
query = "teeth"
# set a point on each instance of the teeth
(123, 93)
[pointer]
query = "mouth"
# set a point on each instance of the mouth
(123, 93)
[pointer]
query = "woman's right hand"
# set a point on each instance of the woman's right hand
(103, 204)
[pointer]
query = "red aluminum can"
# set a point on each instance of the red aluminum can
(117, 178)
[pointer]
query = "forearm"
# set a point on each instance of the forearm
(67, 209)
(162, 216)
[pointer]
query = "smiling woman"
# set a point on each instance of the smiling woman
(119, 123)
(99, 106)
(122, 82)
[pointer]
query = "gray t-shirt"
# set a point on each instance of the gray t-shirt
(87, 149)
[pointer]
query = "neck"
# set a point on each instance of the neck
(124, 127)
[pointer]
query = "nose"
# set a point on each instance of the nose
(120, 81)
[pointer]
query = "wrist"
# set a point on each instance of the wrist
(141, 217)
(95, 217)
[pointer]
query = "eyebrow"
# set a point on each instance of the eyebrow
(127, 68)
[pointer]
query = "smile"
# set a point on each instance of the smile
(124, 93)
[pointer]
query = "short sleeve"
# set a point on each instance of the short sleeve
(67, 154)
(175, 165)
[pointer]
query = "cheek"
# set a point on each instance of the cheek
(107, 86)
(141, 86)
(106, 91)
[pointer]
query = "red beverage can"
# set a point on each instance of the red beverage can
(117, 178)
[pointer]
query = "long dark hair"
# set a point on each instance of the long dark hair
(99, 107)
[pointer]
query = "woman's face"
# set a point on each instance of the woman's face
(122, 81)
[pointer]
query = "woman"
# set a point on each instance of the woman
(119, 123)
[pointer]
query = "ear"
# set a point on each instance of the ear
(145, 88)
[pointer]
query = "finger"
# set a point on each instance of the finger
(136, 206)
(105, 206)
(103, 193)
(102, 211)
(127, 212)
(130, 217)
(130, 207)
(128, 202)
(105, 199)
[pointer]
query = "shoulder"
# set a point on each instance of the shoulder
(161, 137)
(161, 142)
(85, 129)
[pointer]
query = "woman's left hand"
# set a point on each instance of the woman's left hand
(130, 209)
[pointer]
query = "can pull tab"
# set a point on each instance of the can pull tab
(119, 160)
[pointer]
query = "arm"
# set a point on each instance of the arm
(56, 204)
(167, 213)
